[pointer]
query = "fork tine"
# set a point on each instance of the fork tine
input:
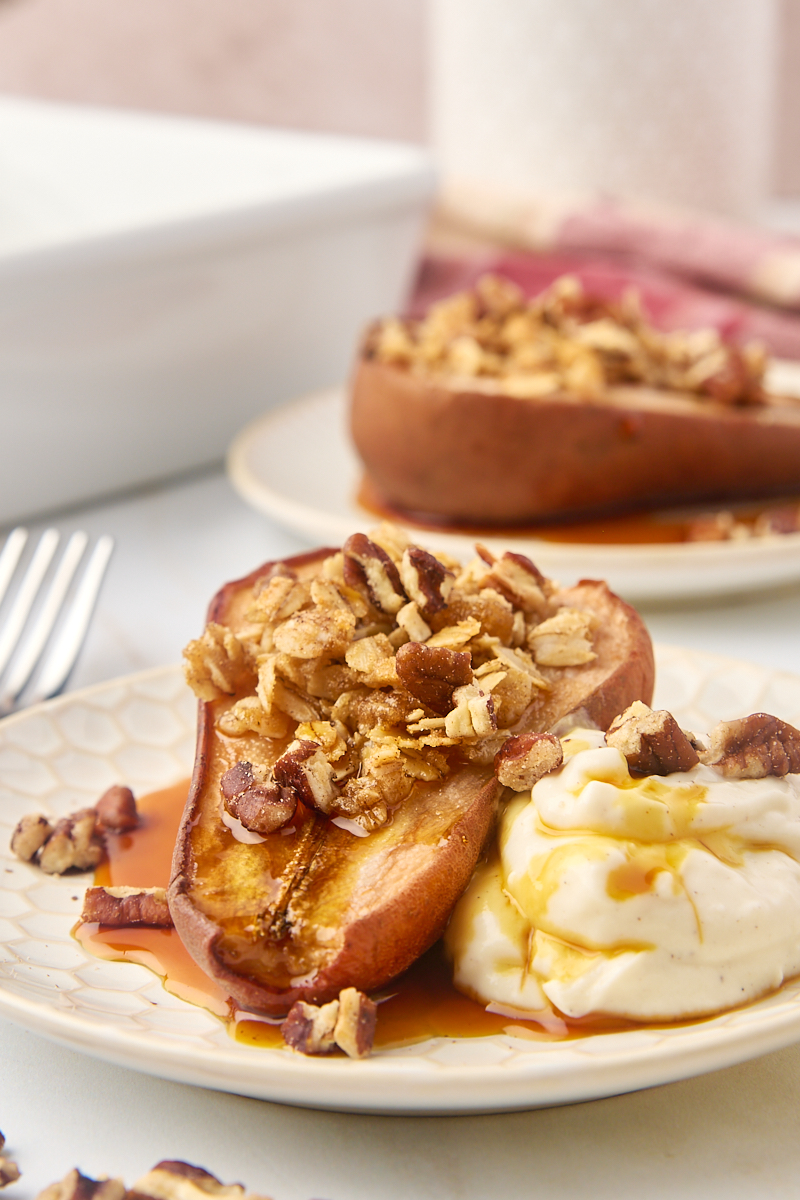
(15, 544)
(25, 661)
(25, 597)
(62, 659)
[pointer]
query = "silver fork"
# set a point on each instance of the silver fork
(25, 635)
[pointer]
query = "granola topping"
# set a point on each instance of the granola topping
(565, 340)
(380, 666)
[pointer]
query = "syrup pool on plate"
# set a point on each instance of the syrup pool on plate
(421, 1004)
(650, 527)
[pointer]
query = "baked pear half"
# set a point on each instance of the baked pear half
(494, 410)
(353, 706)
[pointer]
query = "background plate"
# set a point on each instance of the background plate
(140, 730)
(296, 464)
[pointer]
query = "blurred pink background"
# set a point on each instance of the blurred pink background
(353, 66)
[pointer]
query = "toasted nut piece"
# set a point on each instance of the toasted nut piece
(354, 1031)
(369, 568)
(305, 771)
(175, 1180)
(30, 835)
(426, 580)
(431, 673)
(121, 906)
(310, 1029)
(348, 1023)
(75, 842)
(75, 1186)
(527, 757)
(116, 810)
(652, 742)
(516, 578)
(258, 802)
(753, 747)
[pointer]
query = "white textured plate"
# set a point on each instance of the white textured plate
(62, 755)
(297, 465)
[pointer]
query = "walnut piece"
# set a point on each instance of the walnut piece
(432, 673)
(348, 1023)
(260, 803)
(119, 906)
(527, 757)
(653, 742)
(753, 747)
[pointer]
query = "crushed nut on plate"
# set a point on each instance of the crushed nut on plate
(75, 842)
(168, 1180)
(348, 1023)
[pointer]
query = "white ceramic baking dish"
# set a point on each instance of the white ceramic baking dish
(164, 280)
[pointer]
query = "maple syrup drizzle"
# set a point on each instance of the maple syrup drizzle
(630, 529)
(422, 1003)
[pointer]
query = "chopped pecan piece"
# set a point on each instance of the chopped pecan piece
(171, 1179)
(304, 770)
(516, 578)
(30, 835)
(309, 1028)
(368, 568)
(116, 810)
(121, 906)
(527, 757)
(74, 842)
(427, 581)
(75, 1186)
(653, 742)
(354, 1031)
(348, 1023)
(432, 673)
(753, 747)
(260, 803)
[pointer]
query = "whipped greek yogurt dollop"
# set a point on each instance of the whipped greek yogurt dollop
(650, 898)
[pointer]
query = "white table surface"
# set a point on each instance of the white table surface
(734, 1133)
